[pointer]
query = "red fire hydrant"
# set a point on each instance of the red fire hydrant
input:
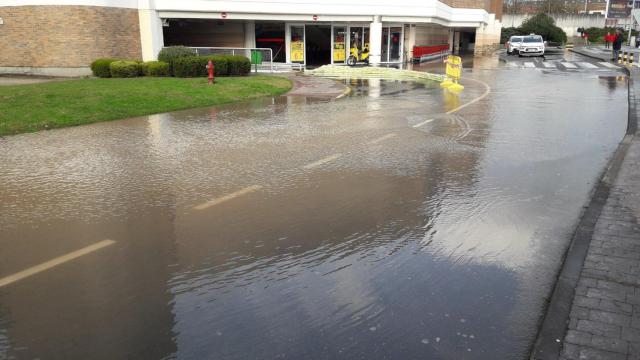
(211, 67)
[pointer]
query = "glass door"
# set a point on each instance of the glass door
(339, 53)
(385, 45)
(297, 44)
(395, 43)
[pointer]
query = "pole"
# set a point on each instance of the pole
(633, 6)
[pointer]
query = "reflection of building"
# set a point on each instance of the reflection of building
(304, 32)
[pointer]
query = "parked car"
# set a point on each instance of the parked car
(532, 45)
(513, 45)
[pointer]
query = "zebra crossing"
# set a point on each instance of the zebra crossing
(565, 65)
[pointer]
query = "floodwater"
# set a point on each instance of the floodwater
(360, 236)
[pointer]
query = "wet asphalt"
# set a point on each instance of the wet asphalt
(297, 227)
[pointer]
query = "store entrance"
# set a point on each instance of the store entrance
(318, 44)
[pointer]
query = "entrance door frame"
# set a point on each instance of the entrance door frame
(346, 41)
(348, 27)
(388, 44)
(287, 40)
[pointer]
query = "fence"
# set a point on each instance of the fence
(258, 56)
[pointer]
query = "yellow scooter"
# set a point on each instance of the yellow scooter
(358, 56)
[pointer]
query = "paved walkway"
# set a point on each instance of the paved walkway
(604, 322)
(314, 86)
(605, 315)
(7, 80)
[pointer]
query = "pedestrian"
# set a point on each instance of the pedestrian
(586, 39)
(617, 45)
(607, 40)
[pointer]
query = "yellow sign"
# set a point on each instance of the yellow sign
(339, 52)
(297, 51)
(454, 67)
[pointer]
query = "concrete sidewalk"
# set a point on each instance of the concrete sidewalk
(599, 52)
(594, 312)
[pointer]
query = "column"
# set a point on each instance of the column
(250, 34)
(151, 38)
(250, 38)
(375, 41)
(411, 41)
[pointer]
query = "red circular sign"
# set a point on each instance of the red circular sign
(224, 15)
(315, 17)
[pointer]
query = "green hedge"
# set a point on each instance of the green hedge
(238, 65)
(125, 69)
(597, 34)
(195, 66)
(540, 24)
(172, 53)
(155, 68)
(100, 67)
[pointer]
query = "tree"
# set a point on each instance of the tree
(543, 24)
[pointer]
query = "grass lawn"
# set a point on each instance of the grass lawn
(26, 108)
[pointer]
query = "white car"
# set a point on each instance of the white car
(531, 45)
(513, 45)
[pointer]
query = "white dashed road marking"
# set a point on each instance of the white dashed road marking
(382, 138)
(422, 123)
(529, 65)
(549, 64)
(220, 200)
(569, 65)
(609, 65)
(54, 262)
(587, 65)
(322, 161)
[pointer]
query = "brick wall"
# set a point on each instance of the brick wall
(67, 36)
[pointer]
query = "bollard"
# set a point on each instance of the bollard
(211, 67)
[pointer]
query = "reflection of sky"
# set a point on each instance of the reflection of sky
(471, 273)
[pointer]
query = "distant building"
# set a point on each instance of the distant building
(63, 36)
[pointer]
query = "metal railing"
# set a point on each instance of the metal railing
(263, 55)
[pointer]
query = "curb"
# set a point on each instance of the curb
(550, 337)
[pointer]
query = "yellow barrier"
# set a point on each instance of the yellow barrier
(454, 73)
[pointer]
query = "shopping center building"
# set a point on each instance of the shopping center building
(62, 37)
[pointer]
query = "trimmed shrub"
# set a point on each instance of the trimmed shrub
(100, 67)
(238, 65)
(507, 33)
(543, 24)
(155, 68)
(125, 69)
(196, 66)
(172, 53)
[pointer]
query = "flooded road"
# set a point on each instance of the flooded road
(384, 225)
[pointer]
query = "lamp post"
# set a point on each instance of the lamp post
(633, 6)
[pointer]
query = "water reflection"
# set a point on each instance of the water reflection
(441, 241)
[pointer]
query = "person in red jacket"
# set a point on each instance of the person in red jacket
(607, 40)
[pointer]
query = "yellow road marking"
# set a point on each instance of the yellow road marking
(322, 161)
(53, 263)
(220, 200)
(423, 123)
(382, 138)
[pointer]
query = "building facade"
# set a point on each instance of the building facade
(62, 37)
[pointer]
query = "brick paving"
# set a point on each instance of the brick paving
(605, 315)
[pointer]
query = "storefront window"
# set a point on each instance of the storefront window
(339, 45)
(297, 44)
